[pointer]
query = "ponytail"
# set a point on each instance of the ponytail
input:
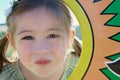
(3, 48)
(77, 46)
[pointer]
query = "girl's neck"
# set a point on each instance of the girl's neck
(28, 75)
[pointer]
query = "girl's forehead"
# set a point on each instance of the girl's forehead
(41, 15)
(37, 12)
(38, 18)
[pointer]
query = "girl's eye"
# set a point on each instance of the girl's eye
(53, 36)
(28, 38)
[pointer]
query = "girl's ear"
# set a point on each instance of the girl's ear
(8, 35)
(72, 35)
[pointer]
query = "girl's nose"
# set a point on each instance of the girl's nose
(41, 48)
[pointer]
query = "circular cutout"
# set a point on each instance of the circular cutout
(87, 40)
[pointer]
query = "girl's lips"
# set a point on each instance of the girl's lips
(42, 62)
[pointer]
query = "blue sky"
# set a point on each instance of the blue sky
(3, 6)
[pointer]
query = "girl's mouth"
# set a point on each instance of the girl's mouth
(42, 62)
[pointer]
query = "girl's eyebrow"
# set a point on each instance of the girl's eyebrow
(24, 31)
(54, 29)
(51, 29)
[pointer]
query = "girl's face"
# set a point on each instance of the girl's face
(41, 42)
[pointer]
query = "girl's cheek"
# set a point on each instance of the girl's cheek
(23, 47)
(24, 53)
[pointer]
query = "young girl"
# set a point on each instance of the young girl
(39, 32)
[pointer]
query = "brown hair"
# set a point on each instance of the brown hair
(3, 48)
(55, 6)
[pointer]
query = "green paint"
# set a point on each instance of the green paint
(107, 72)
(113, 8)
(110, 75)
(114, 57)
(116, 37)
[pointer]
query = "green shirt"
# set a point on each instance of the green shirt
(12, 71)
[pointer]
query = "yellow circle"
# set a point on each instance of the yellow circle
(87, 40)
